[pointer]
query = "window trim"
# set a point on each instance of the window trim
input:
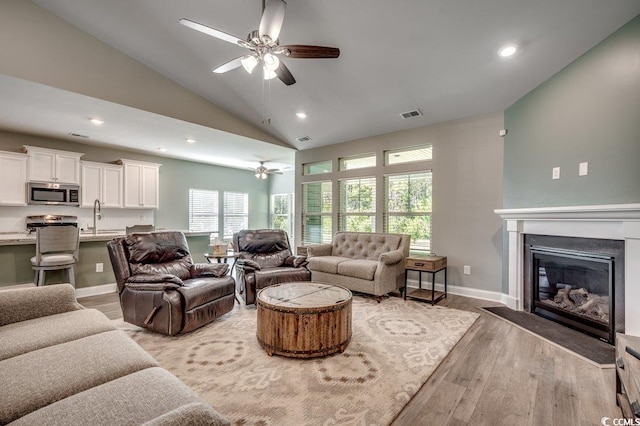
(225, 215)
(386, 213)
(215, 216)
(342, 214)
(304, 213)
(357, 157)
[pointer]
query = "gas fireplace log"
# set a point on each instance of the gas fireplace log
(579, 296)
(562, 298)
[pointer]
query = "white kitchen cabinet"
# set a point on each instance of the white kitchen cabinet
(13, 179)
(52, 165)
(101, 181)
(141, 184)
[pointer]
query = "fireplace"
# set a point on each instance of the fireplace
(574, 288)
(575, 281)
(597, 225)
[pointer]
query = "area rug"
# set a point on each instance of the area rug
(396, 346)
(588, 348)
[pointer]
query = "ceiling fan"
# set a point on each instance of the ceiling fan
(264, 45)
(262, 171)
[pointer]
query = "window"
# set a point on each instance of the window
(236, 213)
(358, 205)
(408, 207)
(358, 162)
(316, 212)
(409, 155)
(281, 212)
(203, 210)
(317, 168)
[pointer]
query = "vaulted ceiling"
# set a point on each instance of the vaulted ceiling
(438, 56)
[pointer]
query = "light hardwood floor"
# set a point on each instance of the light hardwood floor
(496, 375)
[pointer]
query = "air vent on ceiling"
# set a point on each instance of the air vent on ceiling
(78, 135)
(303, 139)
(411, 114)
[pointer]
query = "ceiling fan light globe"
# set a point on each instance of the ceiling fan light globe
(249, 63)
(271, 62)
(269, 74)
(263, 175)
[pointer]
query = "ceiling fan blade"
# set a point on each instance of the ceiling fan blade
(284, 74)
(211, 31)
(228, 66)
(272, 19)
(302, 51)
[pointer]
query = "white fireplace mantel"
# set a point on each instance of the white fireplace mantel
(614, 222)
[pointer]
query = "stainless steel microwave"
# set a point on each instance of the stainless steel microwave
(59, 194)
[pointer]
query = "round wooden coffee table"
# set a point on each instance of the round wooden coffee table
(304, 319)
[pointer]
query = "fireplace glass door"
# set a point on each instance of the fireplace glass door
(574, 288)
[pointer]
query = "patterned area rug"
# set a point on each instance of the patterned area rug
(396, 346)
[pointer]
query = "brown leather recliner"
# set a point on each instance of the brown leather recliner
(266, 259)
(160, 287)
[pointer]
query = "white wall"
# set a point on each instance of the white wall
(467, 186)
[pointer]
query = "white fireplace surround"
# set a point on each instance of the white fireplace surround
(613, 222)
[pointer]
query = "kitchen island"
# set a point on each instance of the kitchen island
(16, 250)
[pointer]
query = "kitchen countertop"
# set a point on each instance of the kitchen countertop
(23, 238)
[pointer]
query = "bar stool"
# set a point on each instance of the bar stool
(57, 247)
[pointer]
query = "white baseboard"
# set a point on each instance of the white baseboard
(96, 290)
(511, 302)
(476, 293)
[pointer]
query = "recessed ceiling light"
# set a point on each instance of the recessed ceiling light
(97, 121)
(191, 140)
(301, 114)
(162, 149)
(507, 51)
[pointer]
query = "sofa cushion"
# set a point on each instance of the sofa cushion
(261, 241)
(126, 401)
(194, 414)
(358, 268)
(181, 268)
(26, 336)
(364, 246)
(24, 304)
(56, 372)
(199, 291)
(271, 260)
(268, 277)
(159, 253)
(328, 264)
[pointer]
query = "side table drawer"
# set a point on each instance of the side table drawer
(432, 263)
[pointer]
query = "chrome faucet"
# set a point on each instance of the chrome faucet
(97, 215)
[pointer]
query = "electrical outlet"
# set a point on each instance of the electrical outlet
(467, 270)
(583, 169)
(99, 267)
(555, 173)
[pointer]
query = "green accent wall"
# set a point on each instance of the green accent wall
(587, 112)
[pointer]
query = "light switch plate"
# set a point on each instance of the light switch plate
(555, 173)
(467, 270)
(583, 169)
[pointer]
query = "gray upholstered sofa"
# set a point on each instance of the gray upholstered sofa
(61, 364)
(365, 262)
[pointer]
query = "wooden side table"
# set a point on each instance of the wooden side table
(431, 265)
